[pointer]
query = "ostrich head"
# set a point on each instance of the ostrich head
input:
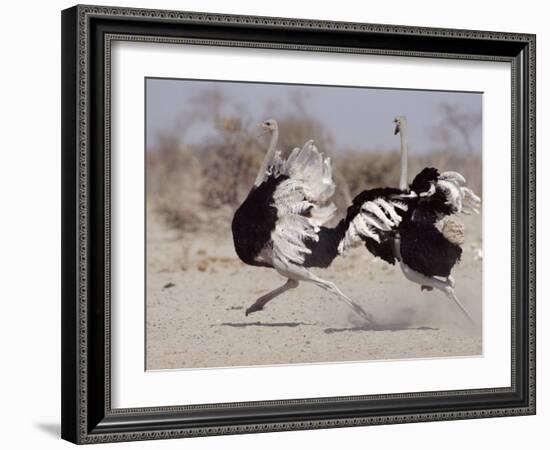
(400, 124)
(269, 125)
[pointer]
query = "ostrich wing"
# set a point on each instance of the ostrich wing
(374, 216)
(301, 202)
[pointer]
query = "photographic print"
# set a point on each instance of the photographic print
(294, 224)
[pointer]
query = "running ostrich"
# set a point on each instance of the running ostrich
(411, 224)
(280, 223)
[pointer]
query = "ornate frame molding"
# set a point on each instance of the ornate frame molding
(80, 416)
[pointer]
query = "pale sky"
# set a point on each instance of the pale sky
(356, 117)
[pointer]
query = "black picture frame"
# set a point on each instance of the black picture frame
(87, 415)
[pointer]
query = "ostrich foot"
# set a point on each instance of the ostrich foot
(426, 288)
(451, 294)
(259, 304)
(362, 313)
(253, 308)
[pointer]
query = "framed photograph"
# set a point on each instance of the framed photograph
(268, 222)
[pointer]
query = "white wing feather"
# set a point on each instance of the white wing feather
(301, 202)
(375, 216)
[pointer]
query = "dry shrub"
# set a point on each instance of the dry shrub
(195, 189)
(174, 179)
(296, 130)
(363, 170)
(199, 186)
(469, 165)
(229, 166)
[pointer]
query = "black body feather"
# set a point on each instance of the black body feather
(428, 209)
(423, 180)
(426, 250)
(254, 221)
(325, 249)
(384, 249)
(423, 247)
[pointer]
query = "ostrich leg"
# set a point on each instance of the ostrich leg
(259, 304)
(303, 274)
(331, 287)
(445, 286)
(451, 281)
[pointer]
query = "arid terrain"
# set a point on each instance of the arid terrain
(198, 290)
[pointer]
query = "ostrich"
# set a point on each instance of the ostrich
(411, 224)
(279, 224)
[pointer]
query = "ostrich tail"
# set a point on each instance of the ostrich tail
(471, 202)
(453, 231)
(454, 177)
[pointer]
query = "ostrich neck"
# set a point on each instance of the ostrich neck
(404, 159)
(268, 158)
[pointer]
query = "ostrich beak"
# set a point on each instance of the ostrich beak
(264, 129)
(397, 128)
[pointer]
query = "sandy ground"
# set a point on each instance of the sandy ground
(197, 292)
